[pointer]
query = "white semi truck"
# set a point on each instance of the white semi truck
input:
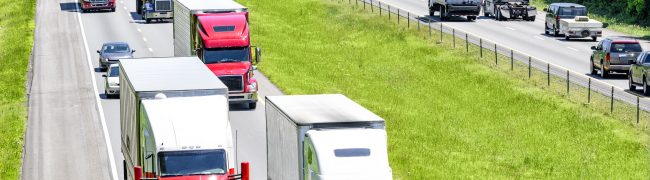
(173, 116)
(324, 137)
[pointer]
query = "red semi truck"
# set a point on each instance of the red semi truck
(218, 33)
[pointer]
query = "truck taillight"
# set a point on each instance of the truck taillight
(231, 171)
(245, 172)
(557, 18)
(607, 57)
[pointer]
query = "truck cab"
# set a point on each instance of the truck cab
(218, 33)
(362, 155)
(154, 9)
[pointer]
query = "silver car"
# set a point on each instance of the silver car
(614, 55)
(112, 79)
(111, 52)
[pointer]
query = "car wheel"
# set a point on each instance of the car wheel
(646, 91)
(124, 169)
(252, 105)
(593, 68)
(603, 72)
(630, 83)
(594, 38)
(555, 32)
(546, 29)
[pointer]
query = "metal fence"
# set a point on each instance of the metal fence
(579, 87)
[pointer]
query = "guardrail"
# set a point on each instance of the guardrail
(579, 87)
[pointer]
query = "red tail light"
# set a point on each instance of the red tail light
(607, 57)
(557, 18)
(231, 171)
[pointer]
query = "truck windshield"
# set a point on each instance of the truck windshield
(571, 12)
(198, 162)
(631, 47)
(223, 55)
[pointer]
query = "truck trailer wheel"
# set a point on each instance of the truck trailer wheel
(252, 105)
(124, 169)
(594, 38)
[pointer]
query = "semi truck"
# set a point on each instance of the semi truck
(87, 5)
(154, 9)
(324, 137)
(218, 33)
(159, 121)
(449, 8)
(502, 10)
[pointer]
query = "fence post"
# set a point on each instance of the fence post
(548, 74)
(408, 19)
(398, 15)
(480, 42)
(418, 21)
(637, 109)
(567, 82)
(611, 104)
(388, 12)
(529, 66)
(496, 56)
(453, 37)
(466, 44)
(440, 32)
(589, 92)
(364, 5)
(512, 60)
(372, 10)
(429, 21)
(356, 3)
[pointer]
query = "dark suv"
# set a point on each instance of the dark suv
(640, 72)
(614, 55)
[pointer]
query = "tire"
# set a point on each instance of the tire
(546, 29)
(124, 169)
(147, 21)
(603, 72)
(631, 83)
(646, 91)
(252, 105)
(555, 32)
(112, 9)
(531, 18)
(471, 18)
(567, 38)
(443, 15)
(593, 69)
(594, 38)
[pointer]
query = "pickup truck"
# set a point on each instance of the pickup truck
(571, 20)
(639, 73)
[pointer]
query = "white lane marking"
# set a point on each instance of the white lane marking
(125, 8)
(150, 50)
(572, 48)
(100, 109)
(121, 2)
(510, 28)
(139, 30)
(144, 39)
(540, 38)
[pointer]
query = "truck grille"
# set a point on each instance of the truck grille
(98, 1)
(234, 83)
(163, 5)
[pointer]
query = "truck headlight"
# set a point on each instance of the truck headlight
(252, 87)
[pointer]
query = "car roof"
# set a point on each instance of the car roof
(567, 4)
(115, 43)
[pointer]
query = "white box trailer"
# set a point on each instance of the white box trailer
(185, 21)
(145, 78)
(184, 136)
(324, 137)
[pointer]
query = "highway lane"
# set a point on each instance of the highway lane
(155, 40)
(65, 136)
(527, 37)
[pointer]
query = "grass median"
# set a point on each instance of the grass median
(16, 37)
(448, 115)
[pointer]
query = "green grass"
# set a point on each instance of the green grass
(620, 23)
(16, 37)
(448, 114)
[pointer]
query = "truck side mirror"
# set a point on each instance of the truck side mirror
(258, 55)
(99, 52)
(593, 47)
(605, 25)
(132, 51)
(546, 9)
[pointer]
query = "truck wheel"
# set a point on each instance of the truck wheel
(532, 18)
(124, 169)
(630, 83)
(443, 15)
(566, 38)
(555, 32)
(485, 13)
(112, 9)
(646, 91)
(593, 69)
(594, 38)
(603, 72)
(252, 105)
(471, 18)
(147, 21)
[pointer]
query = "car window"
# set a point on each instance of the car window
(632, 47)
(115, 48)
(114, 72)
(646, 59)
(572, 11)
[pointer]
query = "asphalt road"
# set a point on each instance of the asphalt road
(527, 37)
(64, 136)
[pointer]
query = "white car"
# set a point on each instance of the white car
(112, 79)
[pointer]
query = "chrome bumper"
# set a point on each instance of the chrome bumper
(242, 97)
(159, 15)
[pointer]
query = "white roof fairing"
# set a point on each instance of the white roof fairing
(169, 74)
(189, 121)
(213, 5)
